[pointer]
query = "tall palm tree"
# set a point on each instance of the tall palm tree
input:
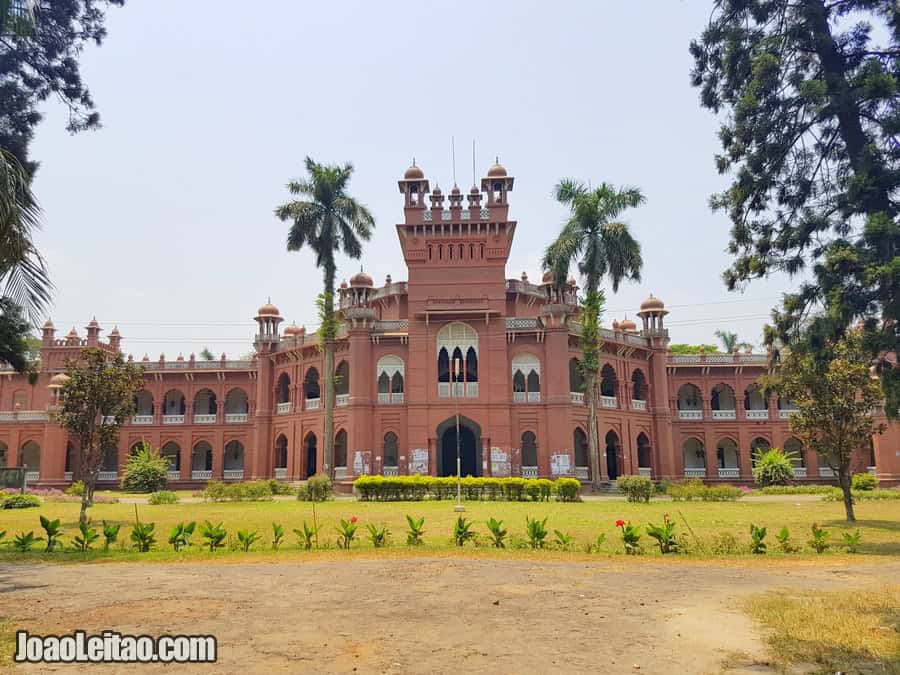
(601, 245)
(730, 340)
(326, 220)
(23, 274)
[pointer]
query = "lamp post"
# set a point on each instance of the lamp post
(459, 508)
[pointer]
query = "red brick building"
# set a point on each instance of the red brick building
(518, 392)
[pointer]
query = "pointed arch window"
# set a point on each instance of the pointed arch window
(390, 370)
(526, 372)
(457, 345)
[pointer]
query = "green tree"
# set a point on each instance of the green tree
(682, 349)
(326, 219)
(835, 400)
(808, 93)
(601, 245)
(207, 355)
(730, 340)
(94, 404)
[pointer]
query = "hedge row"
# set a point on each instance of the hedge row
(416, 488)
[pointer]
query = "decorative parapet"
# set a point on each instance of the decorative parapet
(717, 359)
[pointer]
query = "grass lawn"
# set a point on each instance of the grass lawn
(879, 523)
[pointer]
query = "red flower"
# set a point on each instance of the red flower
(354, 519)
(620, 523)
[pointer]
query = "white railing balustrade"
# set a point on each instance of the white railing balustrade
(233, 474)
(757, 414)
(608, 402)
(724, 414)
(444, 389)
(645, 471)
(690, 414)
(283, 408)
(32, 476)
(826, 472)
(799, 472)
(68, 475)
(109, 419)
(384, 397)
(577, 397)
(142, 419)
(108, 476)
(518, 397)
(529, 472)
(872, 470)
(205, 419)
(236, 418)
(201, 475)
(391, 471)
(730, 472)
(638, 405)
(471, 389)
(280, 473)
(342, 400)
(173, 419)
(32, 416)
(694, 472)
(313, 403)
(581, 473)
(785, 414)
(534, 397)
(173, 475)
(397, 397)
(7, 416)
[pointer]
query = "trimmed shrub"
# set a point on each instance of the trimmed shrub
(76, 489)
(694, 489)
(796, 490)
(863, 481)
(277, 487)
(21, 501)
(773, 467)
(636, 488)
(417, 488)
(163, 497)
(568, 490)
(145, 471)
(835, 495)
(251, 491)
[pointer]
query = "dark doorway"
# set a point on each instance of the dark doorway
(612, 455)
(310, 455)
(469, 448)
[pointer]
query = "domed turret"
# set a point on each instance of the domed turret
(628, 325)
(652, 304)
(361, 279)
(268, 309)
(414, 172)
(497, 171)
(293, 329)
(59, 380)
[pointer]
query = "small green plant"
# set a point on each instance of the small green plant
(163, 497)
(498, 534)
(563, 540)
(726, 543)
(53, 531)
(85, 540)
(774, 466)
(180, 536)
(110, 534)
(21, 502)
(757, 534)
(143, 537)
(415, 531)
(462, 531)
(863, 482)
(784, 541)
(145, 471)
(277, 535)
(347, 531)
(851, 541)
(214, 535)
(306, 535)
(318, 488)
(630, 537)
(594, 547)
(636, 488)
(664, 535)
(247, 539)
(536, 531)
(819, 540)
(23, 541)
(378, 535)
(76, 489)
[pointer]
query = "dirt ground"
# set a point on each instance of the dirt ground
(424, 615)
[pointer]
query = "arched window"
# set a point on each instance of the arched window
(171, 451)
(234, 457)
(340, 448)
(795, 447)
(281, 452)
(390, 370)
(20, 400)
(519, 384)
(342, 379)
(110, 460)
(443, 365)
(643, 451)
(457, 344)
(201, 457)
(754, 398)
(384, 386)
(638, 385)
(526, 370)
(529, 449)
(4, 455)
(30, 456)
(284, 388)
(759, 446)
(310, 445)
(236, 402)
(390, 449)
(205, 402)
(311, 384)
(727, 454)
(689, 398)
(722, 398)
(397, 384)
(576, 381)
(173, 403)
(608, 381)
(143, 403)
(694, 455)
(580, 442)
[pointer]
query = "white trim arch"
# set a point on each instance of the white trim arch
(457, 341)
(457, 334)
(526, 374)
(392, 369)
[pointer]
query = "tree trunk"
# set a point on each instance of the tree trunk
(328, 375)
(82, 517)
(590, 380)
(845, 482)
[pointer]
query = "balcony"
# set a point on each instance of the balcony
(142, 419)
(391, 471)
(32, 476)
(108, 476)
(173, 475)
(526, 397)
(385, 398)
(645, 471)
(233, 474)
(205, 419)
(201, 475)
(690, 414)
(577, 397)
(872, 470)
(724, 414)
(826, 472)
(67, 475)
(458, 389)
(694, 472)
(342, 400)
(582, 473)
(785, 414)
(730, 472)
(236, 418)
(757, 414)
(32, 416)
(638, 405)
(529, 472)
(173, 419)
(283, 408)
(281, 473)
(608, 402)
(313, 403)
(799, 472)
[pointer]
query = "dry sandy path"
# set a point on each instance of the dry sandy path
(423, 615)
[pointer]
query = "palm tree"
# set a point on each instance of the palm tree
(23, 274)
(602, 246)
(730, 340)
(326, 220)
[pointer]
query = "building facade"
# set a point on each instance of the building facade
(457, 336)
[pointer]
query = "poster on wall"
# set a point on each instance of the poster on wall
(418, 463)
(560, 465)
(362, 462)
(500, 466)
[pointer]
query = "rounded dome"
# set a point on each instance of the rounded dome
(344, 284)
(293, 329)
(455, 190)
(497, 171)
(437, 190)
(474, 190)
(268, 309)
(59, 380)
(361, 279)
(49, 324)
(413, 173)
(73, 333)
(651, 304)
(627, 325)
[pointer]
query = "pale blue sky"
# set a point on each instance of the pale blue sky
(164, 216)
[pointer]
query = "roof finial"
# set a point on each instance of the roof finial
(414, 161)
(496, 159)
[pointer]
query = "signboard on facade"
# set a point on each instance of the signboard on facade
(418, 464)
(362, 462)
(500, 465)
(560, 465)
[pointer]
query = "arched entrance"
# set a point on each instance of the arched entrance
(469, 447)
(612, 455)
(310, 445)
